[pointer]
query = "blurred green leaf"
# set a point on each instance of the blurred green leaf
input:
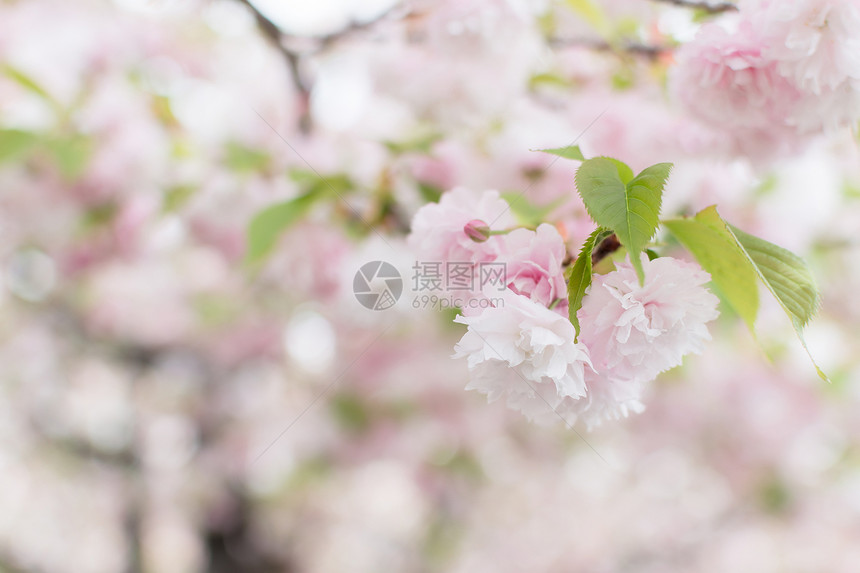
(15, 143)
(177, 196)
(548, 79)
(268, 225)
(624, 78)
(592, 13)
(569, 152)
(309, 180)
(216, 310)
(163, 111)
(351, 413)
(99, 215)
(430, 193)
(309, 472)
(527, 213)
(774, 495)
(244, 159)
(71, 153)
(28, 83)
(421, 143)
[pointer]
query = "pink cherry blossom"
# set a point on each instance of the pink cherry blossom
(522, 351)
(635, 332)
(533, 265)
(438, 233)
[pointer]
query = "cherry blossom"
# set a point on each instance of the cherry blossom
(533, 265)
(635, 332)
(438, 229)
(520, 350)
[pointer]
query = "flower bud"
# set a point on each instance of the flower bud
(477, 230)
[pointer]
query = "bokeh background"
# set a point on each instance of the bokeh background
(184, 391)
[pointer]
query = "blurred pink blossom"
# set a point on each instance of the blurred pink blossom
(726, 80)
(816, 42)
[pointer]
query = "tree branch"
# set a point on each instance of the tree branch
(293, 57)
(710, 8)
(272, 33)
(328, 40)
(647, 50)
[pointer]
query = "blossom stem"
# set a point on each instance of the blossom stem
(294, 58)
(710, 8)
(635, 48)
(605, 248)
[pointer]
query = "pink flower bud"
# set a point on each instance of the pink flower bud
(477, 230)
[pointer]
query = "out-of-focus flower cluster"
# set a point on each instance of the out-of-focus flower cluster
(775, 72)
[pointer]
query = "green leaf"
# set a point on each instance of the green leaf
(351, 412)
(71, 153)
(526, 212)
(244, 159)
(430, 193)
(706, 236)
(592, 13)
(311, 181)
(624, 170)
(569, 152)
(580, 276)
(28, 83)
(419, 143)
(14, 143)
(788, 278)
(548, 79)
(176, 197)
(99, 215)
(268, 225)
(785, 275)
(628, 205)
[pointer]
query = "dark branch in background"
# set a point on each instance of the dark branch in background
(276, 38)
(710, 8)
(328, 40)
(294, 57)
(647, 50)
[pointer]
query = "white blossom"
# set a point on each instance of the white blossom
(520, 350)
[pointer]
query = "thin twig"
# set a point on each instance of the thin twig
(647, 50)
(276, 37)
(710, 8)
(293, 57)
(330, 39)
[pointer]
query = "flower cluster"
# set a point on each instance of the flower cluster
(774, 72)
(524, 348)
